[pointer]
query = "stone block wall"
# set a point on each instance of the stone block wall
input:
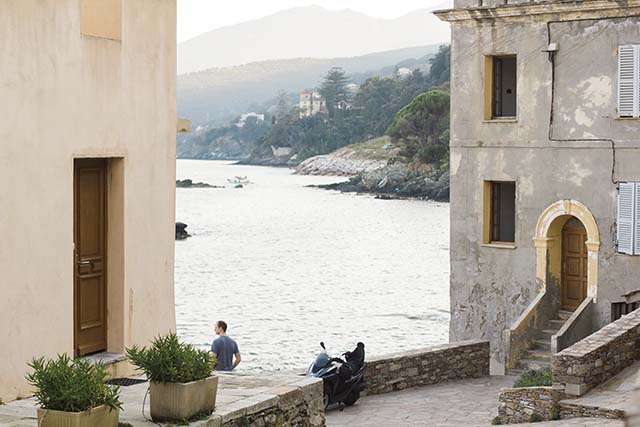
(467, 359)
(598, 357)
(517, 405)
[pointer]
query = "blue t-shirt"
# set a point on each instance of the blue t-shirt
(224, 348)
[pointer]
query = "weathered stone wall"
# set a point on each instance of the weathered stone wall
(570, 410)
(467, 359)
(517, 405)
(598, 357)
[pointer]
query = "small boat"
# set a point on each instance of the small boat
(238, 180)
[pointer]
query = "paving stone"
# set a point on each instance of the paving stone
(468, 403)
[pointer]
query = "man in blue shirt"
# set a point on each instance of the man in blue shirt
(224, 349)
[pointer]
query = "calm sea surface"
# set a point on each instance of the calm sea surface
(288, 266)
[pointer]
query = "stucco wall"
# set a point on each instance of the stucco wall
(490, 287)
(65, 95)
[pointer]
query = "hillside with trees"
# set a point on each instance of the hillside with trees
(412, 110)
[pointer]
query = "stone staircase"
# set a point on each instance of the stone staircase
(540, 356)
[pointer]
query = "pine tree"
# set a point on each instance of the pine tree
(335, 88)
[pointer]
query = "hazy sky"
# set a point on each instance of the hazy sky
(199, 16)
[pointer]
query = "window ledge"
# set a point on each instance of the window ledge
(627, 118)
(499, 245)
(505, 120)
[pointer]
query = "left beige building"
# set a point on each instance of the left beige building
(87, 178)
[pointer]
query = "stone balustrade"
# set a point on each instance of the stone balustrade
(455, 361)
(598, 357)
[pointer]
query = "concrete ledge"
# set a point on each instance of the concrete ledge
(415, 368)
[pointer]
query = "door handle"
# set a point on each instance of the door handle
(84, 262)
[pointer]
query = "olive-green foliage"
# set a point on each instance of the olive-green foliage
(376, 107)
(121, 424)
(423, 127)
(533, 378)
(71, 385)
(496, 421)
(170, 361)
(535, 418)
(555, 411)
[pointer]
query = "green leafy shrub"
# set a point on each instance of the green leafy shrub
(496, 421)
(72, 385)
(170, 361)
(555, 411)
(533, 378)
(535, 418)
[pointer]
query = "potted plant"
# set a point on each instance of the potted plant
(73, 393)
(182, 385)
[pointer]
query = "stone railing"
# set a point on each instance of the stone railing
(598, 357)
(467, 359)
(577, 327)
(519, 405)
(520, 336)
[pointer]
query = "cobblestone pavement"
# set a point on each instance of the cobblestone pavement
(466, 403)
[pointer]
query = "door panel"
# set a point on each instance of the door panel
(574, 265)
(90, 329)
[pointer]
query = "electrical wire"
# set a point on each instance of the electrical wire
(553, 78)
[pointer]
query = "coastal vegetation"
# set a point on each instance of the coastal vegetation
(409, 109)
(355, 114)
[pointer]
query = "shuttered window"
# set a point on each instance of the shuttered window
(628, 224)
(626, 217)
(629, 81)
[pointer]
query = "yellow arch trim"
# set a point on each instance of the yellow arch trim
(568, 207)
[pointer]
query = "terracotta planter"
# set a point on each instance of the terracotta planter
(100, 416)
(182, 401)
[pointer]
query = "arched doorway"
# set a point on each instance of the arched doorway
(552, 265)
(573, 288)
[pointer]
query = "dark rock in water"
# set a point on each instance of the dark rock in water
(181, 231)
(187, 183)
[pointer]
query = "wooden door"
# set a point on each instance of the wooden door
(90, 224)
(574, 265)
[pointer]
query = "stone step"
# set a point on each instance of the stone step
(534, 364)
(546, 334)
(539, 354)
(564, 314)
(554, 323)
(542, 344)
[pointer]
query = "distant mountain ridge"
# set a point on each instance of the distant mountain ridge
(218, 94)
(309, 32)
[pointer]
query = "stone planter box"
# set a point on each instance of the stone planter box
(182, 401)
(101, 416)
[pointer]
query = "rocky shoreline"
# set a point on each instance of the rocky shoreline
(387, 187)
(337, 166)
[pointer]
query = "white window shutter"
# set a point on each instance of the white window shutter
(626, 217)
(636, 220)
(628, 86)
